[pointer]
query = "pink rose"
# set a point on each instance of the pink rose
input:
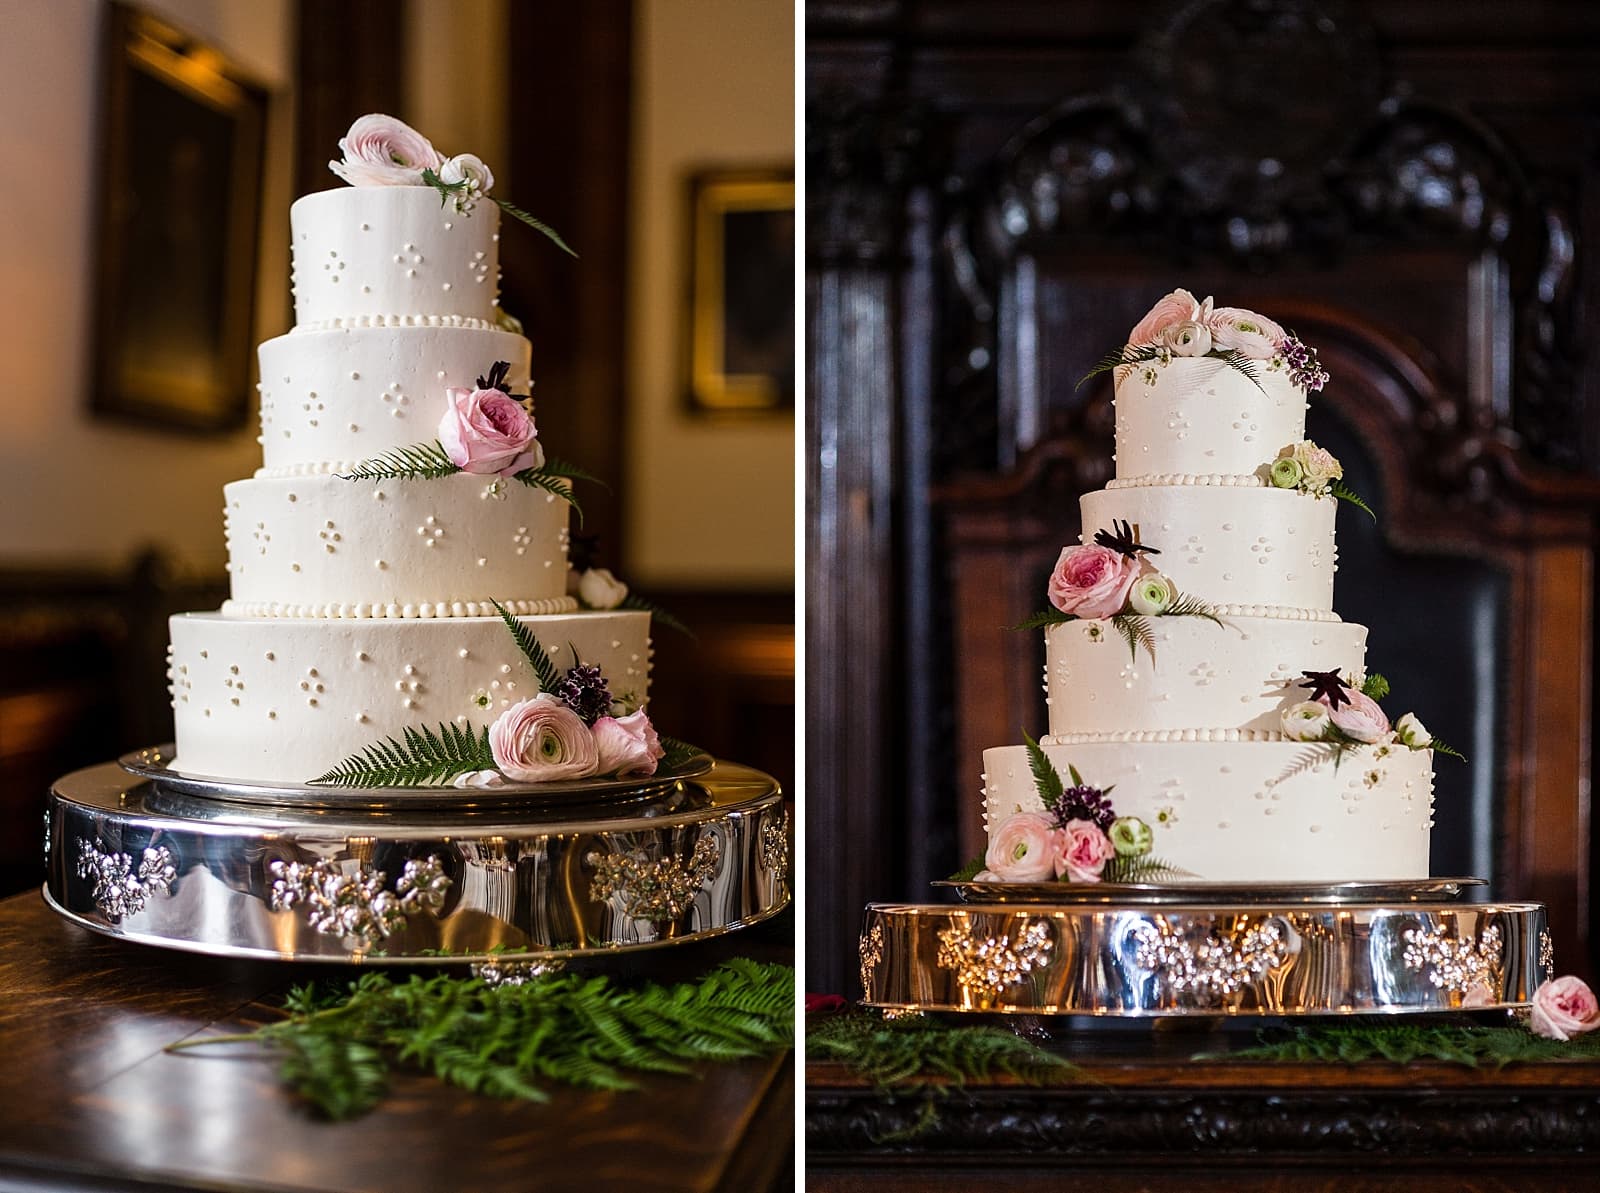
(1092, 581)
(1242, 331)
(382, 151)
(1358, 716)
(539, 740)
(1563, 1008)
(1080, 851)
(1174, 308)
(485, 430)
(1019, 850)
(627, 745)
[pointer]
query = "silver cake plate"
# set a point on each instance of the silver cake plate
(1263, 959)
(1417, 890)
(480, 882)
(157, 765)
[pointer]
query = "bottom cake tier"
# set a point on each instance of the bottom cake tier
(285, 699)
(1248, 811)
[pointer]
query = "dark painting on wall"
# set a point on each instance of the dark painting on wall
(741, 292)
(179, 209)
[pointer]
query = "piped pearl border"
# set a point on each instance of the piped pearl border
(423, 609)
(1276, 612)
(343, 321)
(1151, 480)
(310, 468)
(1152, 735)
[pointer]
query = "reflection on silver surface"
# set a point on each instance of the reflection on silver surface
(156, 763)
(490, 883)
(1202, 959)
(1400, 890)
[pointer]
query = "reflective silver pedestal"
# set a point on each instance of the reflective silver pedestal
(1303, 950)
(463, 876)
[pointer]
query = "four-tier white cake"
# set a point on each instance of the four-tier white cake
(361, 607)
(1191, 661)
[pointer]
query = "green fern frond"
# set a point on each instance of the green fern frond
(678, 753)
(970, 871)
(917, 1052)
(421, 461)
(1439, 747)
(510, 1041)
(567, 470)
(634, 601)
(1127, 355)
(1046, 779)
(1402, 1044)
(1135, 631)
(1312, 757)
(1238, 360)
(1039, 621)
(537, 225)
(1142, 869)
(425, 759)
(539, 478)
(1188, 606)
(1345, 493)
(543, 668)
(1375, 686)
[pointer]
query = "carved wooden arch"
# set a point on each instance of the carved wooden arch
(1477, 456)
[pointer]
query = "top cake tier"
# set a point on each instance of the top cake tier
(380, 256)
(1199, 418)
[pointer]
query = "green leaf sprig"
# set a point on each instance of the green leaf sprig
(423, 759)
(543, 669)
(1129, 355)
(511, 1041)
(429, 461)
(1345, 493)
(1401, 1044)
(456, 190)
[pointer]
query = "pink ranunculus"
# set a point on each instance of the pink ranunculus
(1019, 850)
(540, 740)
(1245, 332)
(1358, 716)
(1563, 1008)
(486, 430)
(627, 745)
(1174, 308)
(1080, 851)
(382, 151)
(1092, 581)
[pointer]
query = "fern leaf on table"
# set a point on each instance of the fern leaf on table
(1470, 1046)
(543, 668)
(917, 1051)
(422, 461)
(424, 759)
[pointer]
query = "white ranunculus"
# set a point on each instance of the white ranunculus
(1151, 595)
(1188, 338)
(479, 778)
(1411, 732)
(468, 168)
(599, 589)
(1306, 721)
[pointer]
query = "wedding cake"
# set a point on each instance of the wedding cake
(1210, 716)
(400, 587)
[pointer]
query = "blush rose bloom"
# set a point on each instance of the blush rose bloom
(382, 151)
(1080, 851)
(1318, 463)
(1174, 308)
(1563, 1008)
(1091, 581)
(1245, 332)
(627, 746)
(1358, 717)
(485, 431)
(540, 740)
(1020, 849)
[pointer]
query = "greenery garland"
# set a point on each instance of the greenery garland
(509, 1041)
(1402, 1043)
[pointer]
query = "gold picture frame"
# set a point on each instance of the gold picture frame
(741, 292)
(179, 219)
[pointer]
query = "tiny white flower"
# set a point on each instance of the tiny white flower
(1411, 732)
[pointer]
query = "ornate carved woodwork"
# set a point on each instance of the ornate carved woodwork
(1316, 160)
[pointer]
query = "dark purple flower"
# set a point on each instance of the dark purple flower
(1301, 360)
(585, 691)
(1084, 803)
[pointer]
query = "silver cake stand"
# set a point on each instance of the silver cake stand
(1130, 951)
(412, 876)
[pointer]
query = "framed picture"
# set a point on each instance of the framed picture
(741, 292)
(180, 197)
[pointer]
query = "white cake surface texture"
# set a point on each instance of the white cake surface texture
(405, 518)
(1211, 719)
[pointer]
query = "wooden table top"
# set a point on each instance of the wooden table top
(1141, 1113)
(88, 1099)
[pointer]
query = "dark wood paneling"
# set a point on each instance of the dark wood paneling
(1436, 247)
(349, 60)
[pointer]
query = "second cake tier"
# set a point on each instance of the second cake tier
(323, 546)
(1202, 678)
